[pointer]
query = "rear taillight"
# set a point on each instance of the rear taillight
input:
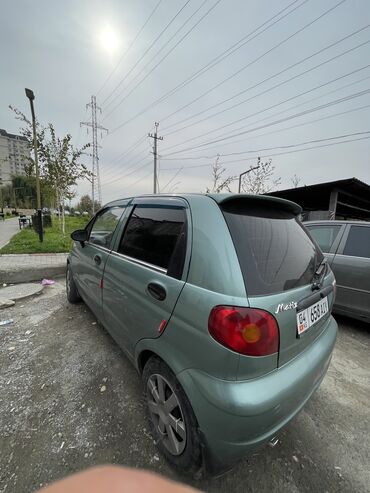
(247, 331)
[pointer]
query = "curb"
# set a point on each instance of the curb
(32, 274)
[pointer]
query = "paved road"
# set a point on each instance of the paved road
(55, 420)
(8, 228)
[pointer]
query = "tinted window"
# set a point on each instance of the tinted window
(275, 253)
(324, 235)
(104, 226)
(358, 242)
(156, 235)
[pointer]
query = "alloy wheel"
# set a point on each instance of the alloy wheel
(166, 414)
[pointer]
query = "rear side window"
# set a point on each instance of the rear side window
(324, 235)
(274, 251)
(157, 236)
(358, 242)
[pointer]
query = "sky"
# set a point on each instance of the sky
(285, 80)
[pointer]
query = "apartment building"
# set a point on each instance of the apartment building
(13, 148)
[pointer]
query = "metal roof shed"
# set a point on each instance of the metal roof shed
(342, 199)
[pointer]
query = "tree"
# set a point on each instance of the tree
(27, 131)
(260, 179)
(59, 160)
(21, 192)
(220, 183)
(86, 205)
(61, 167)
(295, 180)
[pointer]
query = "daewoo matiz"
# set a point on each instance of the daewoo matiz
(223, 303)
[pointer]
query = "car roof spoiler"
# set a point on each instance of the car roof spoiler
(257, 200)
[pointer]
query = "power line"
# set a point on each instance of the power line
(140, 179)
(144, 54)
(268, 108)
(281, 120)
(137, 181)
(276, 114)
(128, 150)
(121, 177)
(129, 47)
(171, 180)
(160, 50)
(133, 163)
(297, 106)
(266, 80)
(186, 158)
(288, 38)
(225, 54)
(165, 56)
(273, 155)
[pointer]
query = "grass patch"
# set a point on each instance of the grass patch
(27, 240)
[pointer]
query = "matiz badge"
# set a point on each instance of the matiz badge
(283, 308)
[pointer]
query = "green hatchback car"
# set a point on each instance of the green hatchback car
(223, 303)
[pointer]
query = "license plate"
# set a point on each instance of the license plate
(309, 316)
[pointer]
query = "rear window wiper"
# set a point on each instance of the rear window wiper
(319, 274)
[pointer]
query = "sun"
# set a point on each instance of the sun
(109, 40)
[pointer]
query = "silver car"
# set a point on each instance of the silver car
(347, 247)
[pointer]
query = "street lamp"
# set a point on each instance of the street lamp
(30, 95)
(245, 173)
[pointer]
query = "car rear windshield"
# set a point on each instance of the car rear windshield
(274, 251)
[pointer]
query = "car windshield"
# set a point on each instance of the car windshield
(274, 251)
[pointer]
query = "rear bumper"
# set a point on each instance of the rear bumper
(237, 417)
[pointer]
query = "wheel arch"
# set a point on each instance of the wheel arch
(147, 348)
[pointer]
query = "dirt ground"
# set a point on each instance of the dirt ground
(69, 399)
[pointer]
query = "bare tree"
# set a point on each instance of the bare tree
(261, 178)
(295, 180)
(220, 183)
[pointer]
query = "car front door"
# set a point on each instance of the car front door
(146, 272)
(351, 266)
(89, 258)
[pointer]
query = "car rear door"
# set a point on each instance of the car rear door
(88, 259)
(327, 236)
(351, 267)
(278, 261)
(146, 272)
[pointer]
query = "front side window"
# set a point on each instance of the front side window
(156, 235)
(104, 226)
(324, 235)
(358, 242)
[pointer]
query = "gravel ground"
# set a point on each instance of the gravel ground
(69, 399)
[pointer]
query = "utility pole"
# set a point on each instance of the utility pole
(155, 154)
(95, 182)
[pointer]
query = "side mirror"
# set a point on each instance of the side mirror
(79, 235)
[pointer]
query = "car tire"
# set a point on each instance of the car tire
(185, 455)
(72, 291)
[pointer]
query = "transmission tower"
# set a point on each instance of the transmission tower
(95, 182)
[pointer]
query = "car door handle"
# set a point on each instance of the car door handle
(157, 291)
(97, 259)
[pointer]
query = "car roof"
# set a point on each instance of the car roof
(336, 221)
(221, 198)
